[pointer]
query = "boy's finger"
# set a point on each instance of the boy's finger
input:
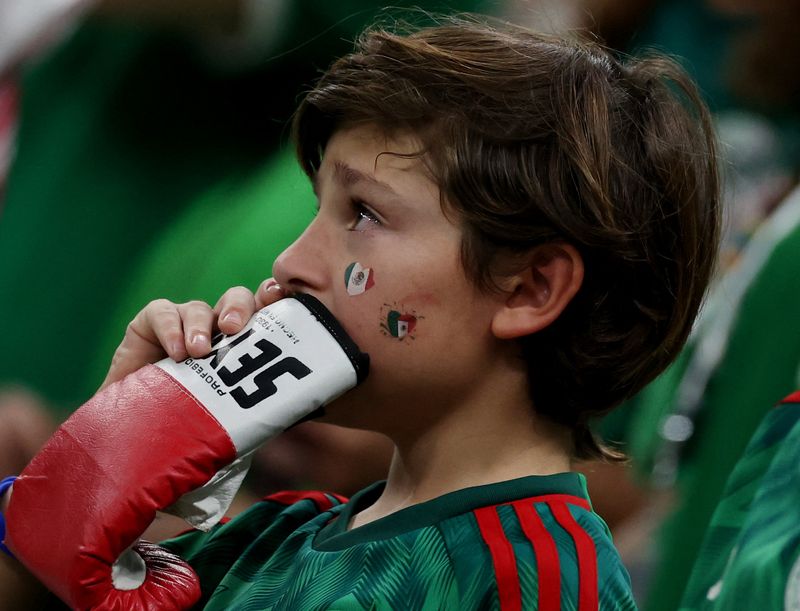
(154, 332)
(269, 292)
(159, 325)
(234, 309)
(198, 321)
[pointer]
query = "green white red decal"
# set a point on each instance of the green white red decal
(358, 279)
(400, 325)
(398, 321)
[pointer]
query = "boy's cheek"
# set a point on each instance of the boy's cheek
(374, 306)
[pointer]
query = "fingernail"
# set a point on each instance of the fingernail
(274, 288)
(199, 339)
(232, 318)
(177, 348)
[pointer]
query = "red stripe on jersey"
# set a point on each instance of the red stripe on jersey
(588, 597)
(547, 566)
(503, 560)
(320, 499)
(793, 398)
(9, 96)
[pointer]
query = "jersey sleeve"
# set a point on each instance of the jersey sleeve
(212, 554)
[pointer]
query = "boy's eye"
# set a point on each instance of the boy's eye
(364, 218)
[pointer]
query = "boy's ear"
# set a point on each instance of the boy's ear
(537, 294)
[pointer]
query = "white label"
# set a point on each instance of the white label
(281, 367)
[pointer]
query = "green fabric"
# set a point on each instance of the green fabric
(278, 557)
(759, 367)
(753, 542)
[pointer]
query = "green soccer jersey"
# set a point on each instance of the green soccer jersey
(528, 543)
(750, 558)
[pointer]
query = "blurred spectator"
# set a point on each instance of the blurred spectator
(24, 30)
(750, 556)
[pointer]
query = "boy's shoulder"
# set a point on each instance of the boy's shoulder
(544, 551)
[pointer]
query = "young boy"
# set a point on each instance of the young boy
(519, 230)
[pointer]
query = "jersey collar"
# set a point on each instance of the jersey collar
(335, 536)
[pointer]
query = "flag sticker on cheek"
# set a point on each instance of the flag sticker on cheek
(400, 325)
(358, 279)
(397, 322)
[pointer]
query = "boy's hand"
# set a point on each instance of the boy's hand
(164, 328)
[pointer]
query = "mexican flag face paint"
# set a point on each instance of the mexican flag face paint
(400, 325)
(358, 279)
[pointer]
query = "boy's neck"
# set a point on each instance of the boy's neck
(487, 445)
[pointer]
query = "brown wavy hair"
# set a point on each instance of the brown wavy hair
(533, 138)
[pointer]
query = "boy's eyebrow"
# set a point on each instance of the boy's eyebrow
(347, 176)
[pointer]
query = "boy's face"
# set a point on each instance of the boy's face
(381, 255)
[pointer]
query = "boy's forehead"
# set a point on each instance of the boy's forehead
(379, 134)
(388, 167)
(367, 152)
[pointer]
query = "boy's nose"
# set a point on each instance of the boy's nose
(304, 265)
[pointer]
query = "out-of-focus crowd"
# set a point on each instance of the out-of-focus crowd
(143, 154)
